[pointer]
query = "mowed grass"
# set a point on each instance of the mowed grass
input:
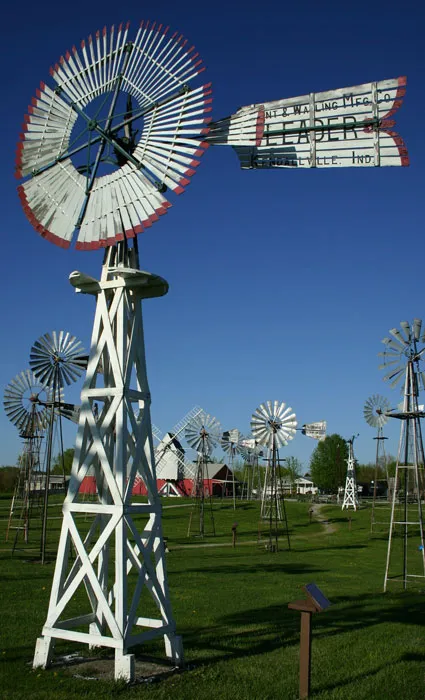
(231, 606)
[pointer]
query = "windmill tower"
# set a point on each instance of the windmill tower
(56, 359)
(350, 492)
(203, 434)
(375, 413)
(231, 442)
(273, 425)
(252, 484)
(25, 402)
(405, 554)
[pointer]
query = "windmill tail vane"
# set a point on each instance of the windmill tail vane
(344, 127)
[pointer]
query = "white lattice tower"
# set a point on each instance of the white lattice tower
(350, 493)
(406, 534)
(117, 445)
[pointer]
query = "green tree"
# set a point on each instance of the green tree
(292, 468)
(328, 464)
(8, 478)
(68, 456)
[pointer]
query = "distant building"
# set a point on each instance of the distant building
(57, 482)
(305, 486)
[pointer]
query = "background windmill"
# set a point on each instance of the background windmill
(231, 442)
(375, 410)
(170, 460)
(351, 499)
(25, 401)
(202, 434)
(404, 354)
(252, 486)
(57, 359)
(273, 424)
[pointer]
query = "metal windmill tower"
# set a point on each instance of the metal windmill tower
(123, 122)
(350, 492)
(403, 356)
(375, 413)
(273, 425)
(25, 402)
(56, 359)
(252, 482)
(203, 434)
(231, 442)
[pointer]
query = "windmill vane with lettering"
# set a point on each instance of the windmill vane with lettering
(106, 144)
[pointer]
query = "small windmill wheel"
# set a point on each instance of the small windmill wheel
(273, 424)
(25, 402)
(231, 442)
(407, 346)
(375, 410)
(58, 359)
(203, 433)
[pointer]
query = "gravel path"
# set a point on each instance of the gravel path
(317, 507)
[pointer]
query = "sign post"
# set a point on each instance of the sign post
(316, 602)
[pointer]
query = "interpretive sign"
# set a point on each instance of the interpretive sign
(350, 126)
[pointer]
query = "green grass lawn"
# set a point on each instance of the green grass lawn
(241, 640)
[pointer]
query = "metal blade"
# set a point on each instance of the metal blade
(406, 328)
(417, 324)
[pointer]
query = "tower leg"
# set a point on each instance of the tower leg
(174, 648)
(124, 666)
(43, 652)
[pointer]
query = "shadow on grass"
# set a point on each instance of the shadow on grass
(242, 569)
(261, 630)
(324, 546)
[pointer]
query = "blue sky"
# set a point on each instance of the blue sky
(282, 283)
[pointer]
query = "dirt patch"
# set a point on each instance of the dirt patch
(95, 668)
(316, 508)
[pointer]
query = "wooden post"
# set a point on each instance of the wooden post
(316, 602)
(305, 654)
(234, 526)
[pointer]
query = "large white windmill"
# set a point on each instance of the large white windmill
(404, 355)
(273, 424)
(122, 123)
